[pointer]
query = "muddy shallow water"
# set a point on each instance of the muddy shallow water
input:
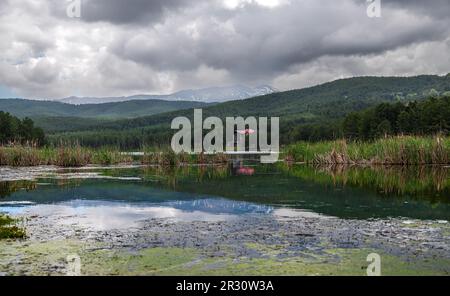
(217, 220)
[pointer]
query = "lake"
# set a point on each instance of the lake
(244, 218)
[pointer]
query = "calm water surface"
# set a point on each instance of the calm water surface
(105, 198)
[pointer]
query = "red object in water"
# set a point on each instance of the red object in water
(246, 171)
(248, 131)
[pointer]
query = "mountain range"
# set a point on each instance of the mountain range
(323, 102)
(205, 95)
(127, 109)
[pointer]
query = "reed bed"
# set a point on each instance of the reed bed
(64, 156)
(400, 150)
(78, 156)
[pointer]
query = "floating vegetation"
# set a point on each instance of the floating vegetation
(9, 229)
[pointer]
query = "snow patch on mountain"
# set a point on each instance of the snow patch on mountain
(206, 95)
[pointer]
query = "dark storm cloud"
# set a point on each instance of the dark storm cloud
(129, 11)
(121, 47)
(121, 12)
(433, 8)
(264, 42)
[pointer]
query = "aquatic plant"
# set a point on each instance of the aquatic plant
(20, 156)
(73, 156)
(109, 156)
(8, 229)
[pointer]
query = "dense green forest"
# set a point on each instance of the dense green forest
(53, 125)
(424, 117)
(417, 118)
(12, 129)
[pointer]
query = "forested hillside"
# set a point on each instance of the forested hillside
(324, 102)
(318, 107)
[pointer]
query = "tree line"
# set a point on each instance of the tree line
(15, 130)
(422, 117)
(425, 117)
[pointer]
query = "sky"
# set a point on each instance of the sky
(119, 48)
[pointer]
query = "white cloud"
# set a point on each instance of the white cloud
(235, 4)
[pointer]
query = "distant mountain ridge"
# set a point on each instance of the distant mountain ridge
(205, 95)
(128, 109)
(318, 104)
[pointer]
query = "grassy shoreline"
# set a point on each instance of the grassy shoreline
(77, 156)
(71, 156)
(400, 150)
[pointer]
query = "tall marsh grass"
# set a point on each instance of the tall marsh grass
(77, 156)
(401, 150)
(64, 156)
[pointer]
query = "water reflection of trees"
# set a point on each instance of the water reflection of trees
(9, 187)
(398, 180)
(172, 175)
